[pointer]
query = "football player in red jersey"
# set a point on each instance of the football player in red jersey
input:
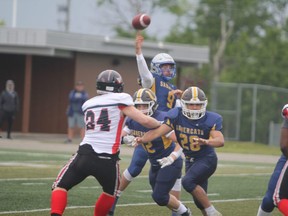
(104, 117)
(198, 132)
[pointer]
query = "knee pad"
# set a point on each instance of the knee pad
(267, 204)
(188, 185)
(160, 199)
(135, 169)
(127, 175)
(177, 185)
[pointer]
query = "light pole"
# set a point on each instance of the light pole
(65, 9)
(14, 13)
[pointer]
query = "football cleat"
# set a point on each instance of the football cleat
(110, 213)
(216, 213)
(187, 213)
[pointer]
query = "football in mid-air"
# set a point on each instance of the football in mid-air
(141, 21)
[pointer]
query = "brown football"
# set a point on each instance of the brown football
(141, 21)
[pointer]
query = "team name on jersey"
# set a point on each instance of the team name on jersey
(186, 130)
(137, 133)
(164, 84)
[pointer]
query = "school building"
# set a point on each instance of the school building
(46, 64)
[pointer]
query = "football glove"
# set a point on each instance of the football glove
(166, 161)
(128, 139)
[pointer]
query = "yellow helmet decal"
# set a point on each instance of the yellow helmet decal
(151, 95)
(194, 93)
(139, 94)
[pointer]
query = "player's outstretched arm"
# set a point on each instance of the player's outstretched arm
(141, 118)
(147, 79)
(138, 43)
(216, 139)
(153, 134)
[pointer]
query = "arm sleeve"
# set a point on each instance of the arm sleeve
(145, 75)
(126, 129)
(178, 103)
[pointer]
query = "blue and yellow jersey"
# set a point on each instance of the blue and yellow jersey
(157, 148)
(187, 129)
(162, 89)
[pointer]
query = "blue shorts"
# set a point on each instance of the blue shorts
(76, 119)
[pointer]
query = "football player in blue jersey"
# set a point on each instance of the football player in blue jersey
(162, 71)
(198, 132)
(277, 193)
(163, 180)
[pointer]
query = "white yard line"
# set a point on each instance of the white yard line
(126, 205)
(142, 176)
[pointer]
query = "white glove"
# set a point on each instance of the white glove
(128, 139)
(166, 161)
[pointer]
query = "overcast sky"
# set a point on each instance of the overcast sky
(84, 17)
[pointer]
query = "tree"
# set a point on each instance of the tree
(238, 34)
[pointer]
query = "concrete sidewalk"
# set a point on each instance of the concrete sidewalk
(55, 143)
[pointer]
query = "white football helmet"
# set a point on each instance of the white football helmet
(160, 59)
(146, 96)
(194, 95)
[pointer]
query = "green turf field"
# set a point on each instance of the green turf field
(235, 189)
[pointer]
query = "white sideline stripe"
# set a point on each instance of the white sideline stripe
(89, 187)
(150, 191)
(14, 163)
(35, 154)
(26, 179)
(126, 205)
(33, 183)
(244, 174)
(142, 176)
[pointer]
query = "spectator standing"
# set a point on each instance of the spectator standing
(9, 106)
(77, 97)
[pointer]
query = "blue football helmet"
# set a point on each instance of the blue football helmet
(158, 61)
(147, 97)
(194, 95)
